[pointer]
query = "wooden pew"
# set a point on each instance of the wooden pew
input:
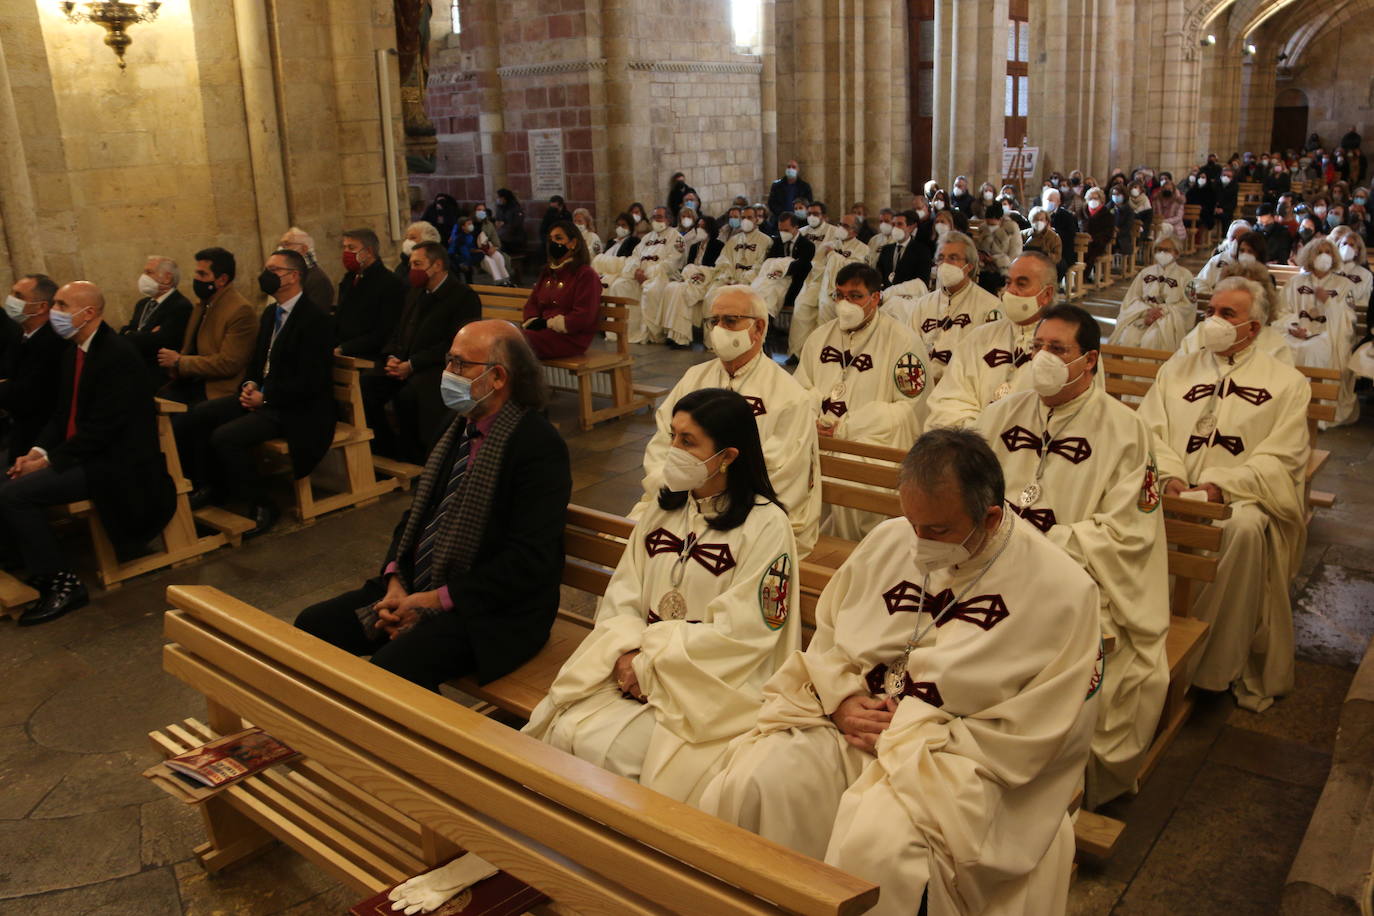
(402, 472)
(357, 485)
(1074, 287)
(395, 779)
(1192, 222)
(613, 318)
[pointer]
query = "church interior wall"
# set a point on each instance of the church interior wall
(1334, 73)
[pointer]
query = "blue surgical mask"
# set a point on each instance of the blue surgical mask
(734, 222)
(457, 392)
(62, 323)
(791, 173)
(14, 308)
(692, 204)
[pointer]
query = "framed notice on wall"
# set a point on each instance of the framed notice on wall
(546, 163)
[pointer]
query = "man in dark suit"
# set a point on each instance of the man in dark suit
(792, 244)
(470, 583)
(370, 298)
(788, 189)
(1278, 240)
(436, 307)
(100, 444)
(906, 257)
(160, 317)
(1065, 225)
(287, 392)
(28, 391)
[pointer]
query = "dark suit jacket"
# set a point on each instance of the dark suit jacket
(300, 384)
(915, 263)
(777, 195)
(429, 321)
(367, 311)
(508, 600)
(115, 441)
(166, 328)
(1063, 223)
(802, 253)
(11, 337)
(29, 392)
(1279, 242)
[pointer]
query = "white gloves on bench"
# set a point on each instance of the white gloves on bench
(426, 893)
(558, 323)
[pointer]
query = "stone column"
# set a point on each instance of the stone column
(264, 127)
(617, 18)
(975, 106)
(874, 103)
(813, 119)
(491, 124)
(18, 213)
(768, 92)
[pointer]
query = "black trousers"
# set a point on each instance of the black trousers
(221, 437)
(431, 652)
(24, 518)
(419, 414)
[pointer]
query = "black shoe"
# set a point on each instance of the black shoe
(201, 497)
(674, 345)
(265, 516)
(64, 592)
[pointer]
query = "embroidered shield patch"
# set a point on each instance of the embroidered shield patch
(1099, 671)
(992, 315)
(909, 375)
(775, 592)
(1149, 488)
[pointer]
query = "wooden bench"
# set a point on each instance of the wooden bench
(403, 472)
(181, 542)
(1073, 280)
(395, 779)
(1192, 222)
(355, 483)
(508, 303)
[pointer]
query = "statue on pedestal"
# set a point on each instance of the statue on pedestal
(412, 49)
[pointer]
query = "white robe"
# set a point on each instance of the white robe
(1156, 287)
(608, 267)
(1100, 502)
(681, 305)
(942, 320)
(786, 416)
(772, 283)
(967, 796)
(899, 301)
(869, 386)
(702, 676)
(1211, 273)
(744, 254)
(852, 251)
(806, 307)
(660, 256)
(1330, 328)
(1360, 280)
(1257, 455)
(987, 358)
(594, 246)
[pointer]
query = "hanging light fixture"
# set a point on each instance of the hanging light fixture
(116, 17)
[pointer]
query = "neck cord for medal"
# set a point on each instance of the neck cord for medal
(897, 670)
(1208, 420)
(839, 389)
(1032, 490)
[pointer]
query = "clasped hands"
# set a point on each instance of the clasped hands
(623, 671)
(250, 396)
(1175, 486)
(862, 718)
(27, 464)
(399, 610)
(398, 368)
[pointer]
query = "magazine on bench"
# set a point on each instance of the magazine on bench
(499, 895)
(202, 771)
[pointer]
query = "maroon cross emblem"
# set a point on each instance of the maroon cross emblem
(838, 408)
(996, 357)
(985, 611)
(942, 356)
(1042, 519)
(755, 404)
(1074, 449)
(1233, 444)
(714, 558)
(863, 362)
(946, 323)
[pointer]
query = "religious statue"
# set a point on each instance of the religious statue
(412, 49)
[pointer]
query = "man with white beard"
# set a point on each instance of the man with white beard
(785, 411)
(957, 305)
(1229, 425)
(934, 732)
(844, 249)
(867, 372)
(645, 275)
(1079, 466)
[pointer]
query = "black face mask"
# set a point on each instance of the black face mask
(1306, 234)
(269, 282)
(204, 289)
(557, 251)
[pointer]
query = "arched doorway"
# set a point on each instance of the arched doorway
(1290, 121)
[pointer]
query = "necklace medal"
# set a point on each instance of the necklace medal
(894, 681)
(672, 606)
(1206, 424)
(1002, 391)
(1029, 494)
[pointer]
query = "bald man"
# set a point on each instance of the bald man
(100, 444)
(470, 582)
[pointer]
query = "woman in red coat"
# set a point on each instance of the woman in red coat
(560, 314)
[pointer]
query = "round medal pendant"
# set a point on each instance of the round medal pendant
(1206, 424)
(1029, 495)
(1002, 391)
(894, 681)
(672, 606)
(837, 392)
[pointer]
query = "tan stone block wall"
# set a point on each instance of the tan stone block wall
(1334, 73)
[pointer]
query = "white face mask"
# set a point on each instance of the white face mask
(1217, 334)
(938, 205)
(1225, 180)
(849, 315)
(1040, 225)
(1246, 257)
(1347, 252)
(407, 247)
(746, 225)
(621, 232)
(958, 191)
(898, 234)
(636, 217)
(1135, 192)
(683, 471)
(941, 230)
(813, 221)
(1049, 373)
(929, 555)
(1019, 308)
(950, 275)
(147, 285)
(1164, 258)
(884, 228)
(729, 344)
(988, 195)
(1322, 262)
(786, 236)
(1202, 182)
(14, 308)
(921, 214)
(686, 222)
(659, 225)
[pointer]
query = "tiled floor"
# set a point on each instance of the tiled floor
(80, 832)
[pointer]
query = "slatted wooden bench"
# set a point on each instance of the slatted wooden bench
(1074, 285)
(1192, 221)
(395, 779)
(508, 303)
(181, 543)
(355, 483)
(402, 472)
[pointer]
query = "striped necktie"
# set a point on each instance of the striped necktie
(424, 550)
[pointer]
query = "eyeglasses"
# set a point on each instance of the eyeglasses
(731, 322)
(855, 296)
(1057, 349)
(457, 364)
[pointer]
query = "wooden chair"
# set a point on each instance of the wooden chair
(395, 779)
(1073, 280)
(1102, 269)
(354, 483)
(1192, 222)
(403, 472)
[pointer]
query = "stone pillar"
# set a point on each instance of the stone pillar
(768, 92)
(942, 92)
(617, 18)
(264, 127)
(975, 103)
(491, 124)
(875, 103)
(18, 213)
(813, 117)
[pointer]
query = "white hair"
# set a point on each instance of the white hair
(427, 231)
(300, 237)
(955, 237)
(757, 307)
(166, 265)
(1045, 197)
(1237, 228)
(1259, 303)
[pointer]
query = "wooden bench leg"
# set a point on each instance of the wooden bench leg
(230, 835)
(584, 400)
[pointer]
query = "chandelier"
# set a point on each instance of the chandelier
(116, 17)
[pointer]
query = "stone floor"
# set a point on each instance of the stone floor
(80, 831)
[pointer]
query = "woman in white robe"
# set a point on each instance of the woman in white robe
(696, 617)
(611, 261)
(1156, 313)
(582, 218)
(1352, 266)
(1317, 319)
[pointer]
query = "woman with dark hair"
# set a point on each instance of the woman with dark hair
(638, 218)
(509, 218)
(442, 213)
(696, 618)
(678, 188)
(560, 314)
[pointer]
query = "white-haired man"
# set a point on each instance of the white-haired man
(956, 306)
(318, 287)
(785, 411)
(1226, 254)
(1229, 425)
(160, 316)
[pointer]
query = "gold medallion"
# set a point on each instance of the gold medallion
(672, 606)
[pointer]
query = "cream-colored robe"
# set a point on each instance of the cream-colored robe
(989, 356)
(660, 256)
(681, 306)
(1100, 502)
(702, 676)
(1299, 295)
(806, 307)
(772, 282)
(967, 796)
(899, 301)
(786, 415)
(1360, 280)
(883, 368)
(847, 252)
(942, 320)
(1156, 287)
(1257, 455)
(744, 254)
(1211, 272)
(1330, 327)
